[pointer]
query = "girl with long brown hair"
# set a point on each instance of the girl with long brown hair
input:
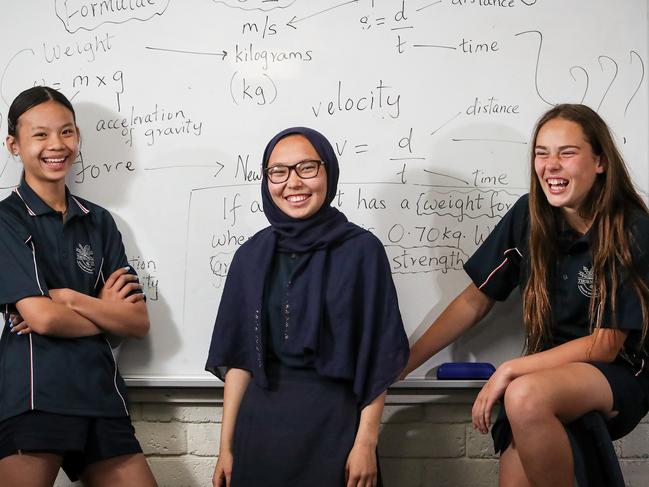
(576, 247)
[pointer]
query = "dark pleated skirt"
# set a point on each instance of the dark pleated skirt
(298, 432)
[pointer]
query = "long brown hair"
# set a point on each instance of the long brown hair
(610, 202)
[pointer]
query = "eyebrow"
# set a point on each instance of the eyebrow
(41, 127)
(286, 164)
(563, 147)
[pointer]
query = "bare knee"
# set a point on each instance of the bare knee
(525, 401)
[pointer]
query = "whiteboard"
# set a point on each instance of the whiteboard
(429, 104)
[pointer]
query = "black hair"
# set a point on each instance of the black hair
(29, 99)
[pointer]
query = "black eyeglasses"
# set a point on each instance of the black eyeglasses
(280, 173)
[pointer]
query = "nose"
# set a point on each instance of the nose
(293, 179)
(552, 162)
(55, 142)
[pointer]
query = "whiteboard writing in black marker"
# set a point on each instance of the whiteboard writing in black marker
(418, 259)
(86, 171)
(86, 49)
(382, 98)
(243, 172)
(88, 15)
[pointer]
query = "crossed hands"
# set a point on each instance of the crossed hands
(116, 288)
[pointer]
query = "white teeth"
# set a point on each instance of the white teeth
(557, 182)
(53, 161)
(296, 198)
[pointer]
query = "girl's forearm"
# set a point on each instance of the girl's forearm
(236, 383)
(121, 317)
(370, 420)
(601, 346)
(467, 309)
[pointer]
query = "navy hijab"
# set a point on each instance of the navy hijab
(327, 226)
(344, 311)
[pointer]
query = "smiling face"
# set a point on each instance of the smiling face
(298, 198)
(47, 141)
(565, 165)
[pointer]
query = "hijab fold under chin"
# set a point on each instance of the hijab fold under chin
(324, 228)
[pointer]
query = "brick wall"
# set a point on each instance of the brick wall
(426, 440)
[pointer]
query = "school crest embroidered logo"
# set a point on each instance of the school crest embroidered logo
(585, 281)
(85, 258)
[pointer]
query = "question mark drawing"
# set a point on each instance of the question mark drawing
(631, 53)
(575, 79)
(599, 59)
(538, 61)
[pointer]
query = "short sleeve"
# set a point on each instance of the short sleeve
(20, 276)
(495, 266)
(628, 310)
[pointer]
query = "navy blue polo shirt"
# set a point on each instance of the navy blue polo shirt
(501, 264)
(39, 252)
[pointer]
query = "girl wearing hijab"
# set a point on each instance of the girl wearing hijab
(308, 335)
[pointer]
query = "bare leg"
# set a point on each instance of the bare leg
(539, 404)
(30, 469)
(123, 471)
(510, 472)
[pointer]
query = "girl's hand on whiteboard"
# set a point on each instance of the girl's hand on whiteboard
(361, 469)
(491, 392)
(18, 325)
(119, 285)
(223, 470)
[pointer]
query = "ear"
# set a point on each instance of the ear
(12, 145)
(602, 164)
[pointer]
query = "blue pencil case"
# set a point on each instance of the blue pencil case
(465, 371)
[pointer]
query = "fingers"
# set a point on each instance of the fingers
(127, 289)
(218, 478)
(15, 319)
(120, 284)
(363, 478)
(360, 480)
(135, 298)
(222, 474)
(21, 329)
(477, 412)
(481, 412)
(110, 282)
(487, 415)
(126, 280)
